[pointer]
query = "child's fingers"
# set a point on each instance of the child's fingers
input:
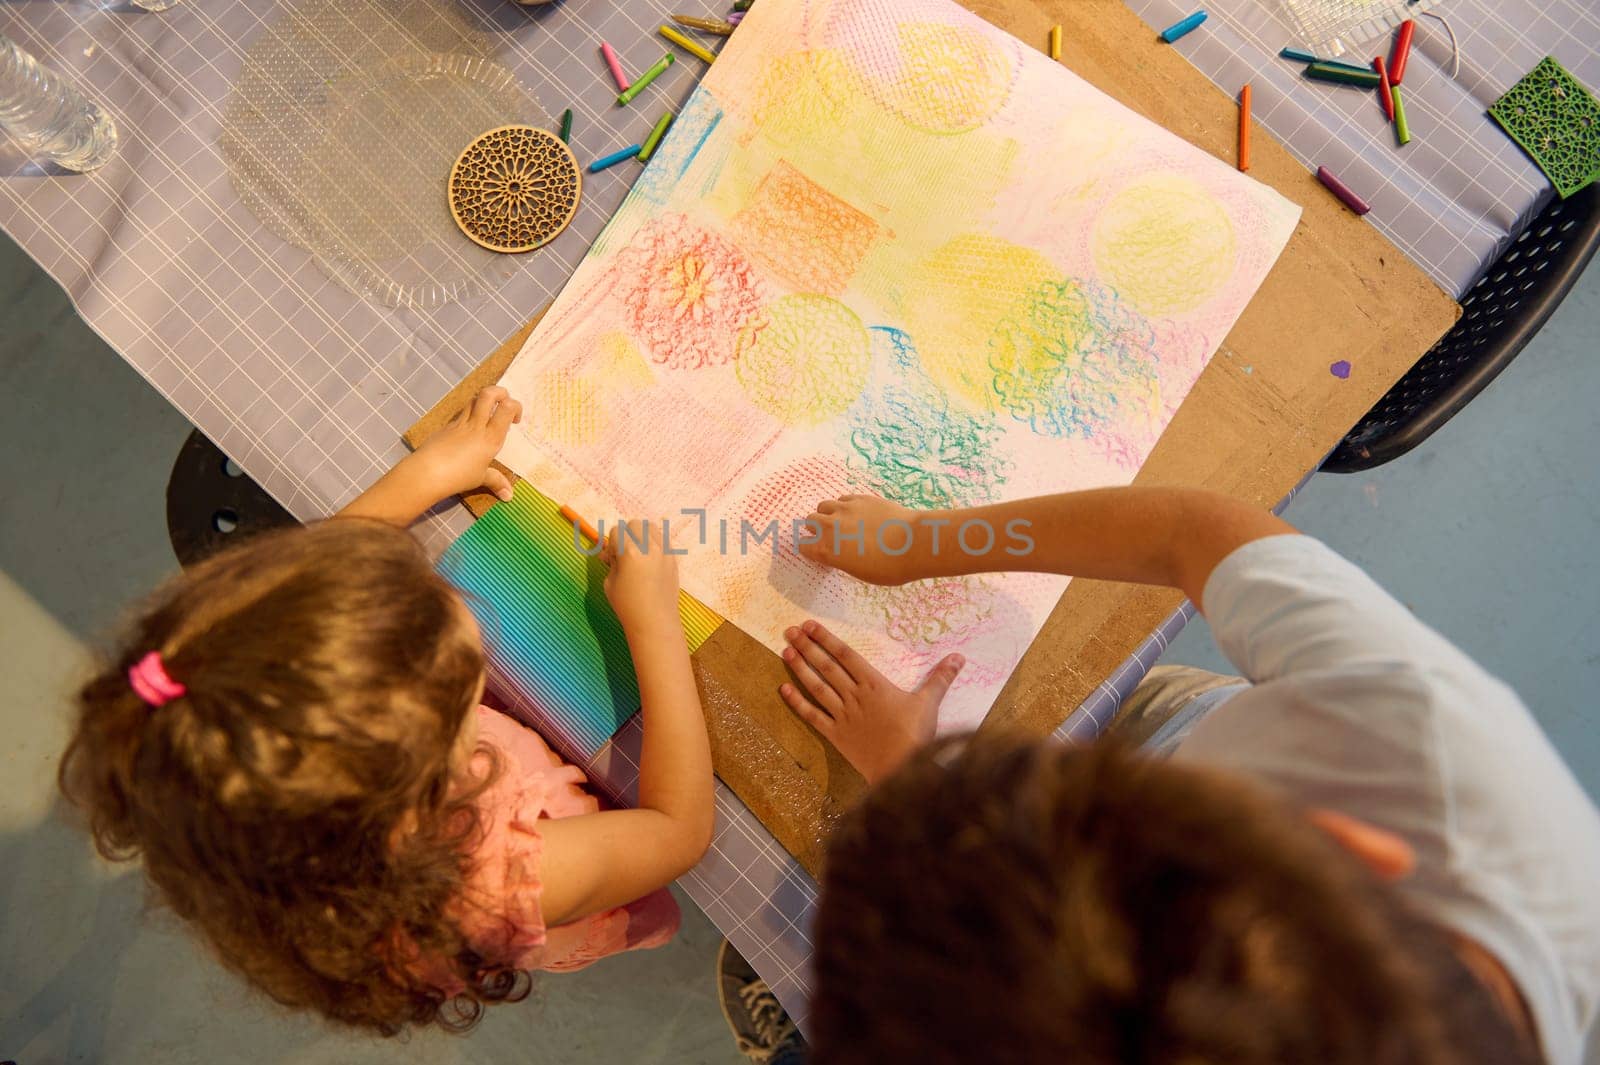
(858, 668)
(820, 660)
(818, 720)
(498, 483)
(505, 415)
(483, 407)
(939, 679)
(827, 506)
(815, 686)
(813, 551)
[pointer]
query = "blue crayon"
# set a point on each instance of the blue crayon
(614, 158)
(1178, 29)
(1297, 55)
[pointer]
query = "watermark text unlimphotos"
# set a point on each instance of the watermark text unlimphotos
(975, 537)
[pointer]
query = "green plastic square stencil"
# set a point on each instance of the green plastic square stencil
(1557, 122)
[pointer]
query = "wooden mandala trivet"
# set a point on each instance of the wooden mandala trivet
(514, 188)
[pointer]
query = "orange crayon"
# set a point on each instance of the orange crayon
(582, 526)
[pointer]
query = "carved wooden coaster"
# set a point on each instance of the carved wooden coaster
(514, 188)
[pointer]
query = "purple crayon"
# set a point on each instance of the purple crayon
(1341, 190)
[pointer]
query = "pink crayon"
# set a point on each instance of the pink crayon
(616, 66)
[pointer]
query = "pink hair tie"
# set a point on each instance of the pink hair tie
(149, 681)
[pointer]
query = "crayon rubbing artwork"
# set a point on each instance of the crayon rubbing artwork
(886, 248)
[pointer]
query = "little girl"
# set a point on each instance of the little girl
(292, 739)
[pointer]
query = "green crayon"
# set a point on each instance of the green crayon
(1344, 75)
(654, 139)
(626, 96)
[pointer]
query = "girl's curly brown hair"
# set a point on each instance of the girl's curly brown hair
(298, 804)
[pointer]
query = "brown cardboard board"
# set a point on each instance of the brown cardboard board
(1265, 411)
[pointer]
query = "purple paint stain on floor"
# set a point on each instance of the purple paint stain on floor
(1340, 369)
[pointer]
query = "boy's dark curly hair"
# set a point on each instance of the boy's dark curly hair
(1002, 900)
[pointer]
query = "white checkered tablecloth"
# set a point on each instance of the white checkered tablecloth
(309, 387)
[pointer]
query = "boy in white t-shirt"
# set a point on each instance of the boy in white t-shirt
(1363, 852)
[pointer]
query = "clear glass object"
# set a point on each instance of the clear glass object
(48, 117)
(155, 5)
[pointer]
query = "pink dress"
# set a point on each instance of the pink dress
(500, 912)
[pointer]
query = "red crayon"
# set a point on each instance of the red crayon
(1384, 95)
(1402, 52)
(1341, 190)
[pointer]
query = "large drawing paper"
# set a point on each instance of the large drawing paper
(886, 248)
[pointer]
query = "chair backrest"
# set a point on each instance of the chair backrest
(1500, 314)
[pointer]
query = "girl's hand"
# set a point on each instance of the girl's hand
(642, 584)
(460, 457)
(854, 532)
(874, 724)
(456, 459)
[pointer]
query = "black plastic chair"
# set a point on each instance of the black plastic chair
(1501, 313)
(211, 503)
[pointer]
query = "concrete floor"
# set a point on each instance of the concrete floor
(1483, 531)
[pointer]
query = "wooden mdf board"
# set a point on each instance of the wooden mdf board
(1265, 411)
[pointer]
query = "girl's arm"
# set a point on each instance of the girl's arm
(456, 459)
(1171, 536)
(599, 861)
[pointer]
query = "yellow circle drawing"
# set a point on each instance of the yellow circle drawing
(804, 359)
(1165, 244)
(802, 96)
(957, 298)
(951, 78)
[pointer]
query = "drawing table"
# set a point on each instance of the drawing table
(310, 387)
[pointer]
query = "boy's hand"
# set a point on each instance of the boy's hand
(643, 582)
(874, 724)
(856, 529)
(460, 457)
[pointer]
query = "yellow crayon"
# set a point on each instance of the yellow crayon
(696, 50)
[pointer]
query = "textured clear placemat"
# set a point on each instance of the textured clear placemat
(1333, 27)
(342, 127)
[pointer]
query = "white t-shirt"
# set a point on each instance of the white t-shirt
(1359, 707)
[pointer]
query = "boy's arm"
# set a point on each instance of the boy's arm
(458, 458)
(1170, 536)
(1165, 536)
